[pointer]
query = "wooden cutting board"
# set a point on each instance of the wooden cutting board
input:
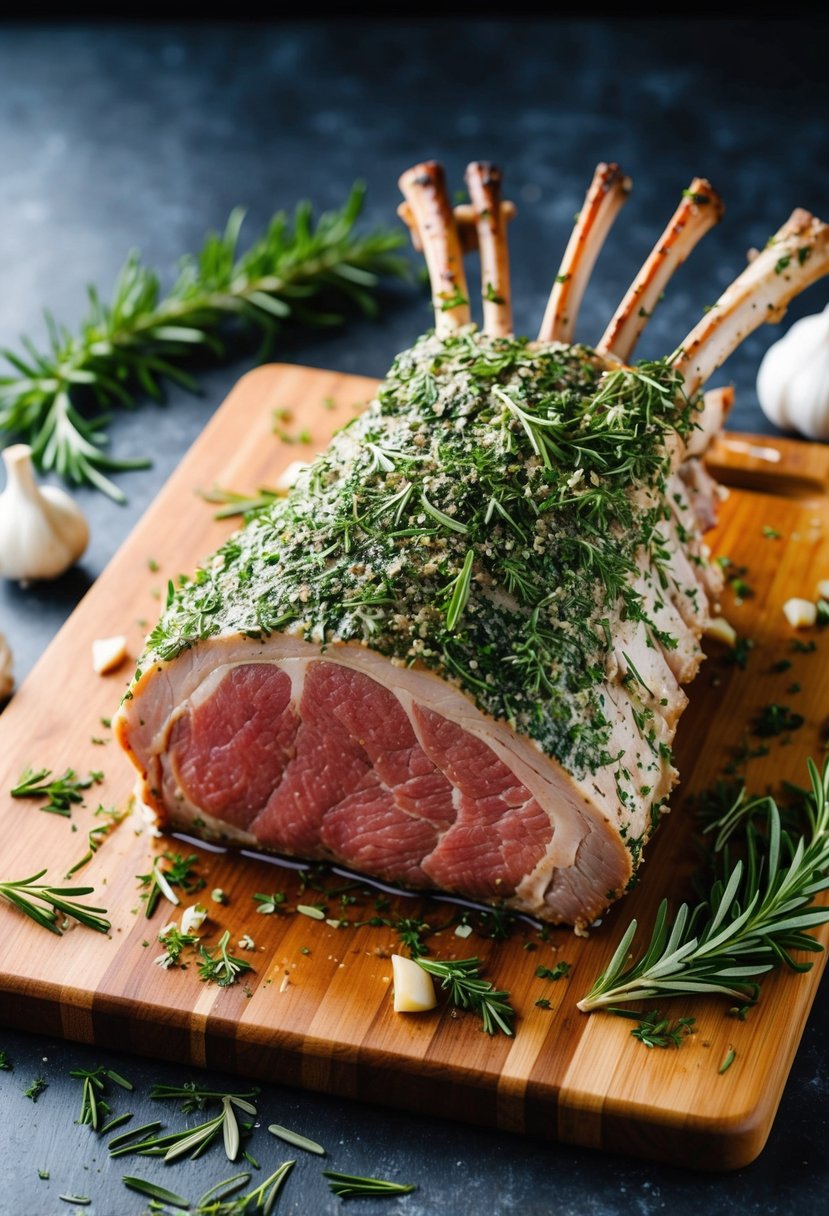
(316, 1011)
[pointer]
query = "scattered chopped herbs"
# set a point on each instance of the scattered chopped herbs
(822, 612)
(43, 1175)
(770, 533)
(97, 835)
(5, 1063)
(739, 652)
(311, 910)
(350, 1186)
(553, 973)
(218, 896)
(175, 943)
(798, 646)
(180, 872)
(268, 904)
(781, 665)
(36, 1089)
(543, 1003)
(61, 792)
(461, 977)
(82, 1200)
(30, 897)
(219, 967)
(775, 720)
(730, 1057)
(654, 1030)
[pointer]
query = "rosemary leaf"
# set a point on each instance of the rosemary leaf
(294, 1138)
(351, 1186)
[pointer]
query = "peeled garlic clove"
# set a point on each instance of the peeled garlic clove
(6, 677)
(42, 530)
(800, 613)
(414, 991)
(108, 654)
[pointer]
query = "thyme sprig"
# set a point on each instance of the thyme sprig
(61, 792)
(142, 338)
(461, 977)
(756, 915)
(51, 906)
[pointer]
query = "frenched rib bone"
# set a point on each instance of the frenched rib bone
(796, 257)
(699, 210)
(424, 188)
(484, 184)
(608, 190)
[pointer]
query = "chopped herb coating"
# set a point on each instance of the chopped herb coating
(486, 517)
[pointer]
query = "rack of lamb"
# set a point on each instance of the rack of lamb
(452, 657)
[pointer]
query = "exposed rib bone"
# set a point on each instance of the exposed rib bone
(484, 184)
(795, 258)
(465, 218)
(424, 188)
(699, 210)
(608, 190)
(717, 403)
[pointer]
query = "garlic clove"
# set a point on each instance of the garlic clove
(108, 654)
(793, 378)
(42, 530)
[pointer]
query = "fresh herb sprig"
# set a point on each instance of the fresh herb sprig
(220, 967)
(461, 977)
(351, 1186)
(757, 913)
(193, 1141)
(197, 1097)
(52, 906)
(180, 872)
(61, 792)
(56, 399)
(97, 835)
(93, 1102)
(261, 1201)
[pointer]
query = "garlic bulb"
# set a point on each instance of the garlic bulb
(42, 530)
(793, 380)
(6, 677)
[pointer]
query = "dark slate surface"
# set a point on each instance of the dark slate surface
(120, 136)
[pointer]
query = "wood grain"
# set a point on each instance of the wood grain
(316, 1011)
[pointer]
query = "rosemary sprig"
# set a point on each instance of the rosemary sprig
(221, 968)
(192, 1141)
(142, 338)
(350, 1186)
(35, 899)
(98, 835)
(468, 991)
(197, 1097)
(60, 792)
(93, 1103)
(757, 913)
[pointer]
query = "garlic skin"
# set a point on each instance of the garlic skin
(793, 380)
(42, 530)
(6, 677)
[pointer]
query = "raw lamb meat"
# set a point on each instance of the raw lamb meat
(452, 657)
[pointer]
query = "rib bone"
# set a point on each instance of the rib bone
(699, 210)
(608, 190)
(465, 218)
(795, 258)
(484, 184)
(424, 187)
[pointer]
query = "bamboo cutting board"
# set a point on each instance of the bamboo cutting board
(316, 1011)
